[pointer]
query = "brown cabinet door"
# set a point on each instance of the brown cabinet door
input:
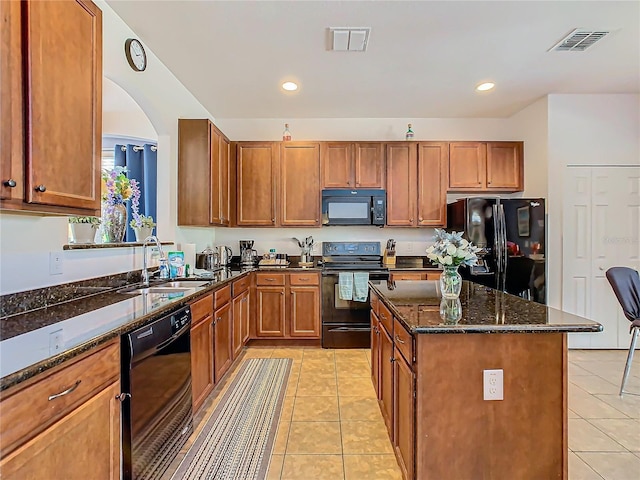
(202, 375)
(375, 353)
(240, 322)
(369, 165)
(83, 444)
(401, 184)
(386, 379)
(300, 192)
(215, 208)
(223, 353)
(505, 166)
(403, 414)
(11, 104)
(195, 175)
(225, 182)
(270, 312)
(304, 318)
(257, 173)
(433, 159)
(467, 165)
(64, 111)
(337, 165)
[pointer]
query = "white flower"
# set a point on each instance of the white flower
(430, 249)
(464, 243)
(432, 256)
(451, 249)
(447, 260)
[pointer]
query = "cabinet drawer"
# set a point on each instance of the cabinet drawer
(408, 276)
(221, 296)
(266, 279)
(304, 279)
(385, 318)
(201, 309)
(403, 341)
(433, 275)
(34, 408)
(373, 300)
(241, 285)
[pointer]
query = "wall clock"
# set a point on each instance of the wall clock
(135, 54)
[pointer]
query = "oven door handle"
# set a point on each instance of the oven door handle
(350, 329)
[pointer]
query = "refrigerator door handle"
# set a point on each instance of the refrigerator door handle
(504, 250)
(496, 239)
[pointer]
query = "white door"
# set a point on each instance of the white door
(601, 226)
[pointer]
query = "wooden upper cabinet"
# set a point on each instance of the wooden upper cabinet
(61, 56)
(486, 166)
(300, 176)
(257, 171)
(353, 165)
(11, 94)
(467, 165)
(337, 165)
(505, 166)
(401, 184)
(204, 174)
(433, 160)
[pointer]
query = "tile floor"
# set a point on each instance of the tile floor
(331, 426)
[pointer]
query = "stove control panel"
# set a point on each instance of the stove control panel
(331, 249)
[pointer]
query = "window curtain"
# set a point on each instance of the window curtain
(141, 164)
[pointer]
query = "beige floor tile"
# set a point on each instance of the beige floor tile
(365, 438)
(625, 432)
(316, 409)
(356, 387)
(275, 467)
(590, 406)
(359, 408)
(352, 355)
(326, 387)
(628, 404)
(608, 370)
(314, 438)
(597, 355)
(295, 353)
(574, 369)
(573, 414)
(371, 467)
(282, 436)
(313, 467)
(318, 354)
(257, 352)
(613, 466)
(348, 371)
(584, 437)
(350, 365)
(594, 384)
(313, 372)
(578, 470)
(287, 409)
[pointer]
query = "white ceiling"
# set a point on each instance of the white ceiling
(423, 59)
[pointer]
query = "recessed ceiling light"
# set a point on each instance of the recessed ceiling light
(290, 86)
(483, 87)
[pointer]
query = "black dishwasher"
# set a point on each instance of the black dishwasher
(156, 379)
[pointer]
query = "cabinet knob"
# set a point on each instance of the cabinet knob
(12, 183)
(41, 188)
(123, 396)
(392, 359)
(348, 182)
(411, 220)
(273, 220)
(399, 340)
(420, 219)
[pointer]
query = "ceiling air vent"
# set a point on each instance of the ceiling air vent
(579, 40)
(349, 39)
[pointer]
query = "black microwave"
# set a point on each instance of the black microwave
(354, 207)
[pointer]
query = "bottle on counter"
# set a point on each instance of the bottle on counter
(164, 268)
(409, 134)
(286, 135)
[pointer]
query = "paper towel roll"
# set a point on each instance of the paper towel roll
(189, 250)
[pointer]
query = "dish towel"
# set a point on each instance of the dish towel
(345, 285)
(360, 286)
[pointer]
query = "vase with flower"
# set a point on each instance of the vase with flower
(142, 224)
(450, 251)
(116, 190)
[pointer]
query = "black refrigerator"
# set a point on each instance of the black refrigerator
(511, 234)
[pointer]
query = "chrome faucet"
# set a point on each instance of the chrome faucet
(145, 271)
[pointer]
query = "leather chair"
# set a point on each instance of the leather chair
(625, 283)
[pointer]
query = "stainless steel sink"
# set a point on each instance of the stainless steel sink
(184, 284)
(158, 289)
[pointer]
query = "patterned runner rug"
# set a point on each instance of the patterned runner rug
(237, 440)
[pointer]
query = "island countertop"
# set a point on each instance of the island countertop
(418, 305)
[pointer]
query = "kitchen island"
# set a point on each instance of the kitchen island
(475, 388)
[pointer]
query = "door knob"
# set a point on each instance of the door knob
(10, 183)
(41, 188)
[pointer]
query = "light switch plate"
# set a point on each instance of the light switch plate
(493, 384)
(56, 342)
(55, 263)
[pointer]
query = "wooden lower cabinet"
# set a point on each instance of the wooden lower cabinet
(304, 311)
(201, 361)
(270, 311)
(408, 275)
(403, 414)
(386, 378)
(84, 444)
(375, 353)
(222, 333)
(240, 322)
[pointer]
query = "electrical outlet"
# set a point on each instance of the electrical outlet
(55, 342)
(409, 247)
(493, 384)
(55, 263)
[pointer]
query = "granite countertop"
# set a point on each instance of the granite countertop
(418, 305)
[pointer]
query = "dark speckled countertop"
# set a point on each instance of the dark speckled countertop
(418, 305)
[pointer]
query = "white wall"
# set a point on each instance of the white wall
(584, 130)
